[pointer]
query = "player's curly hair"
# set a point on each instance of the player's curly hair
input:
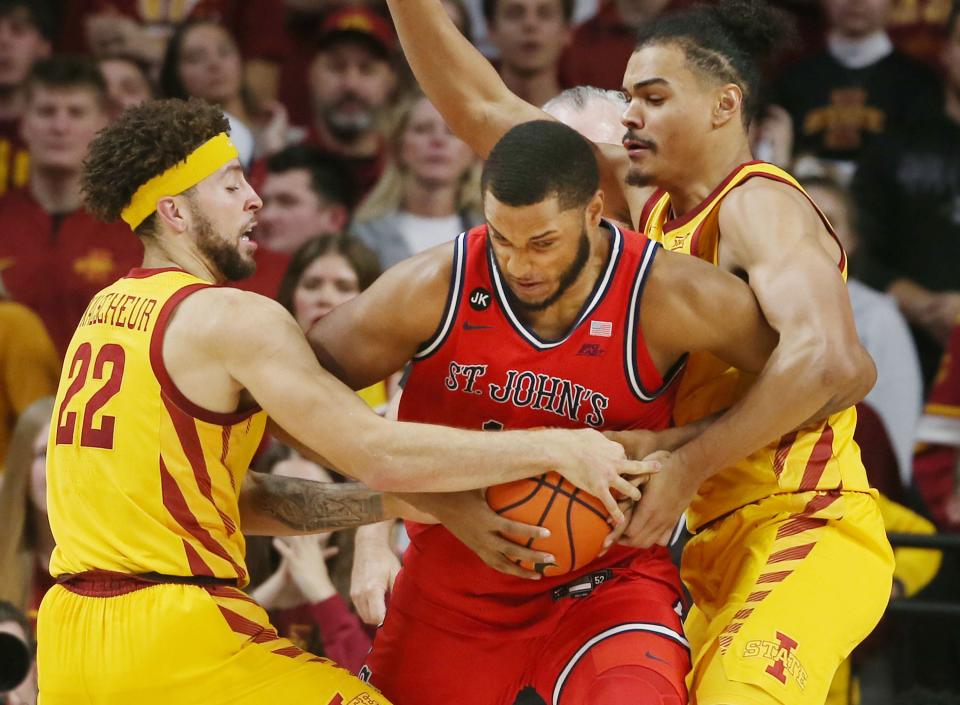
(142, 143)
(726, 40)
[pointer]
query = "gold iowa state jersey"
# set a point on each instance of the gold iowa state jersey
(821, 456)
(141, 480)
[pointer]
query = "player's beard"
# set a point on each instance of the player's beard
(569, 276)
(224, 256)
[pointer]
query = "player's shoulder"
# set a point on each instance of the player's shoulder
(427, 273)
(223, 315)
(763, 200)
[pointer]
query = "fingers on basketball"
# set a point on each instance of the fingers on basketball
(578, 521)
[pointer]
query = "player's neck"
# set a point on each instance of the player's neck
(56, 190)
(161, 253)
(553, 322)
(697, 183)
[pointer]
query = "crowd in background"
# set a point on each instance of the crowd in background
(358, 171)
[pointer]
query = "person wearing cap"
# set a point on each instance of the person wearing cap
(54, 256)
(352, 80)
(166, 393)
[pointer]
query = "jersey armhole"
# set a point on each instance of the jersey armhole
(167, 386)
(457, 274)
(645, 381)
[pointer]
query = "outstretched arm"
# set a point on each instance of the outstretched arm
(457, 78)
(244, 344)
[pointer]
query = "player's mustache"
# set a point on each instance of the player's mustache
(631, 138)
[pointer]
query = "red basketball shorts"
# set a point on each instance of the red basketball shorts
(622, 641)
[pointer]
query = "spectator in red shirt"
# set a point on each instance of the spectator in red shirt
(55, 255)
(26, 27)
(530, 36)
(303, 196)
(602, 45)
(352, 81)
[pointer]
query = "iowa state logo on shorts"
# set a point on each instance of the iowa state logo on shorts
(781, 653)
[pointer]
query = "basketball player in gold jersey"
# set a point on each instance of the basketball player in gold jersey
(783, 535)
(164, 398)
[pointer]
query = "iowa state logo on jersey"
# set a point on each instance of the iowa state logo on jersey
(524, 389)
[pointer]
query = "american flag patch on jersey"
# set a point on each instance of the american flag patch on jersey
(601, 329)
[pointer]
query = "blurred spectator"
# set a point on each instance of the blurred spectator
(593, 112)
(29, 366)
(13, 623)
(917, 28)
(771, 136)
(57, 255)
(128, 83)
(202, 61)
(429, 192)
(352, 81)
(898, 394)
(303, 196)
(908, 195)
(937, 463)
(301, 596)
(141, 29)
(860, 87)
(529, 36)
(458, 12)
(601, 46)
(26, 541)
(26, 28)
(325, 272)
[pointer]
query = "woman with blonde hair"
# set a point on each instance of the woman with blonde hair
(26, 541)
(429, 192)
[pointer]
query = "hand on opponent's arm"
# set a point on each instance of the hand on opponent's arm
(817, 367)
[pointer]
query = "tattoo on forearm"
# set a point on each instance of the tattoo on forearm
(305, 505)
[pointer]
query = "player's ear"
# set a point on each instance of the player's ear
(171, 212)
(728, 105)
(595, 208)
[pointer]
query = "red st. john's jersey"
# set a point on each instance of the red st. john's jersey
(484, 369)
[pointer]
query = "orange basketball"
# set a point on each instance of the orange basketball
(578, 522)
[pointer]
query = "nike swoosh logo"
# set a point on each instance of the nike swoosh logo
(470, 326)
(654, 657)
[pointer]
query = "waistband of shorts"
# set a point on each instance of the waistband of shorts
(108, 583)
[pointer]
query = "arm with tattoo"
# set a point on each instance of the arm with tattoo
(273, 505)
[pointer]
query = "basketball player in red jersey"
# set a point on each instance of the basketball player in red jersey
(792, 506)
(546, 316)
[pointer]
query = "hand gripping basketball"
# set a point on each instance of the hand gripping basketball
(578, 520)
(597, 466)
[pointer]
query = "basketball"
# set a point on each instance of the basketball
(578, 522)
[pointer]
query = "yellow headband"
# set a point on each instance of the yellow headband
(201, 163)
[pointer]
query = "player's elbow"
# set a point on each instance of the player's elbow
(846, 371)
